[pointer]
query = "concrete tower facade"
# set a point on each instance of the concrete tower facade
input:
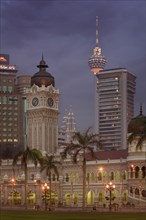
(42, 111)
(11, 133)
(115, 89)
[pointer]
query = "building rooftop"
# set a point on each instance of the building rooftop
(108, 154)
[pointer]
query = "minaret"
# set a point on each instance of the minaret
(97, 61)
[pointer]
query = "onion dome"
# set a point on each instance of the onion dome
(138, 124)
(97, 61)
(42, 77)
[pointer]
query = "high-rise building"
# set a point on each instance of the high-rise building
(10, 106)
(68, 128)
(114, 101)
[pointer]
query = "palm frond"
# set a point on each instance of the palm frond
(32, 155)
(76, 154)
(140, 141)
(48, 163)
(91, 150)
(17, 158)
(131, 137)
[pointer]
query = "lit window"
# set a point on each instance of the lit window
(4, 88)
(4, 140)
(15, 140)
(10, 140)
(9, 89)
(4, 100)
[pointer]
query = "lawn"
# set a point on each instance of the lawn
(45, 215)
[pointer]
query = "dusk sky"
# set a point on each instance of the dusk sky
(64, 31)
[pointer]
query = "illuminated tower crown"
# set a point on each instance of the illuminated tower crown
(97, 61)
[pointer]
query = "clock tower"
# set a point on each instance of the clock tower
(42, 111)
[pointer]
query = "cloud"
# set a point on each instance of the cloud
(64, 31)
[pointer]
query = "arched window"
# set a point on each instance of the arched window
(53, 177)
(88, 177)
(143, 171)
(131, 190)
(92, 177)
(136, 172)
(117, 176)
(76, 177)
(99, 176)
(72, 178)
(75, 198)
(67, 199)
(124, 175)
(67, 177)
(143, 193)
(112, 176)
(137, 191)
(90, 198)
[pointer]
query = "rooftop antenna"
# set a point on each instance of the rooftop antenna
(96, 31)
(42, 56)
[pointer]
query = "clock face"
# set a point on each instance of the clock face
(35, 101)
(50, 102)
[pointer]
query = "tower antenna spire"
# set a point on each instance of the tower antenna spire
(96, 31)
(42, 56)
(97, 61)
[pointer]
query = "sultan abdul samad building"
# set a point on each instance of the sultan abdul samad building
(124, 166)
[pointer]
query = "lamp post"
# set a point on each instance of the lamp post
(110, 187)
(45, 188)
(13, 183)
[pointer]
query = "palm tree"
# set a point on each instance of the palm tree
(141, 136)
(82, 143)
(28, 155)
(48, 164)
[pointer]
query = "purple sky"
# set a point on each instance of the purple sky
(64, 31)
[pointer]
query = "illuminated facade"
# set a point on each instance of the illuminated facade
(126, 168)
(42, 111)
(115, 106)
(10, 105)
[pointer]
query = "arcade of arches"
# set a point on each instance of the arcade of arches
(67, 189)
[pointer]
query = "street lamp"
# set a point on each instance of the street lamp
(45, 188)
(110, 187)
(132, 167)
(12, 181)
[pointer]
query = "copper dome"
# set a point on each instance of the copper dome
(138, 124)
(42, 77)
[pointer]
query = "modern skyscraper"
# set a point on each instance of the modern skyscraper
(114, 101)
(11, 117)
(68, 128)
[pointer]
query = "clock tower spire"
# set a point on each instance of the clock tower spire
(42, 111)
